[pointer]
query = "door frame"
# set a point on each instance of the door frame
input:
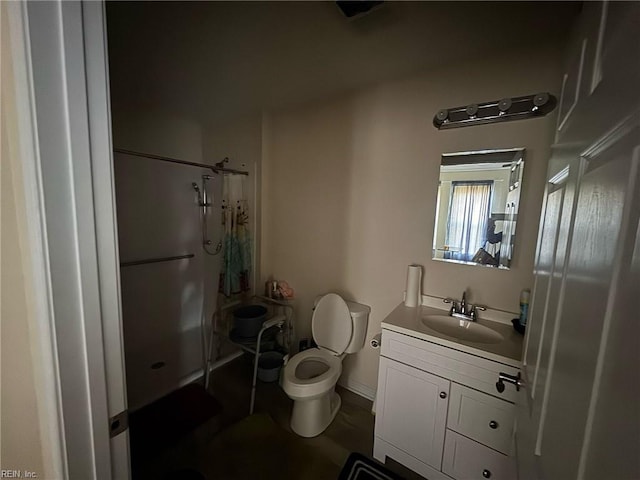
(63, 105)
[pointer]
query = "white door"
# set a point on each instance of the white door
(70, 100)
(99, 110)
(412, 410)
(578, 414)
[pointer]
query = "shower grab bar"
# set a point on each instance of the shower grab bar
(156, 260)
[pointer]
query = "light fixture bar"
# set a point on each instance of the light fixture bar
(507, 109)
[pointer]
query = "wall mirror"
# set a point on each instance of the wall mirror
(477, 207)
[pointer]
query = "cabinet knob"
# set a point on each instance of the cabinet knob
(486, 473)
(443, 394)
(493, 424)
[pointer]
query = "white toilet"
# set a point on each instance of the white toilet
(339, 327)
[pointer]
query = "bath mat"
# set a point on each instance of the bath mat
(256, 447)
(162, 423)
(359, 467)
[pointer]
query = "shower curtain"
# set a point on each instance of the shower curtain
(236, 261)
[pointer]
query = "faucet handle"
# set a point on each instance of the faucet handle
(453, 303)
(474, 311)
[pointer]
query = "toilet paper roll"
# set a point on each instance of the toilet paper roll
(375, 341)
(414, 282)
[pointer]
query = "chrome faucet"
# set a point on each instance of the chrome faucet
(463, 303)
(462, 309)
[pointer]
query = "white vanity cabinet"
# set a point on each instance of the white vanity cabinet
(438, 411)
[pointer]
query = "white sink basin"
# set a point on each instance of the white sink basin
(462, 329)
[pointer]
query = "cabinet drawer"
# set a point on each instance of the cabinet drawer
(481, 417)
(465, 459)
(464, 368)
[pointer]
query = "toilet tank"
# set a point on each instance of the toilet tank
(360, 319)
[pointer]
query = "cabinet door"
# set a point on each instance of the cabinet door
(412, 410)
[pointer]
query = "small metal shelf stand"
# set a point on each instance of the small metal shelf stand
(253, 346)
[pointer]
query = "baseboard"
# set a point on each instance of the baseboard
(358, 388)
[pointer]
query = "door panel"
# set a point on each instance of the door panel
(614, 439)
(597, 226)
(546, 306)
(544, 273)
(553, 312)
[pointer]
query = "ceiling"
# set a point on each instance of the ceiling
(220, 60)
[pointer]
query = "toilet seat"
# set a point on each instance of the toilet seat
(309, 387)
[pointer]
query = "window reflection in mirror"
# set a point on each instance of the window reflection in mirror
(477, 207)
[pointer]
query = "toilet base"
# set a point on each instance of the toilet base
(312, 417)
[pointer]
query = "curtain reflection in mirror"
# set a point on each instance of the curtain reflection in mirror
(469, 213)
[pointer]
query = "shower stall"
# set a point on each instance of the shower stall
(170, 242)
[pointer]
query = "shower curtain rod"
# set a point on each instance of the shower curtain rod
(181, 162)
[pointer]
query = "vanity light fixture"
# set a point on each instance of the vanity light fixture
(506, 109)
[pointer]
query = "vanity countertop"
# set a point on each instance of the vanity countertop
(408, 321)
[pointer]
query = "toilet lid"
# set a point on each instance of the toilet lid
(331, 323)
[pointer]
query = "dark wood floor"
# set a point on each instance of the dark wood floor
(351, 431)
